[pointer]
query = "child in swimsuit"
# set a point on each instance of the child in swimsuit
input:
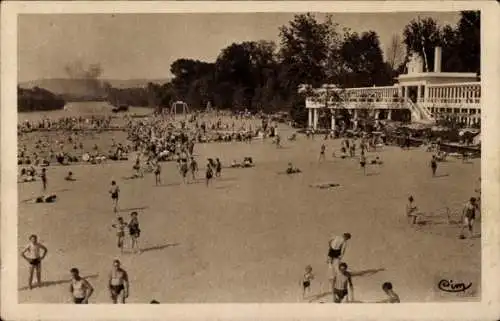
(306, 281)
(114, 191)
(134, 230)
(120, 232)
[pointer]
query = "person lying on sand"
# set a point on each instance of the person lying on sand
(42, 199)
(376, 161)
(292, 170)
(324, 185)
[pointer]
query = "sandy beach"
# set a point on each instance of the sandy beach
(248, 237)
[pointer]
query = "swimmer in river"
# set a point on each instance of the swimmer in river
(118, 283)
(34, 253)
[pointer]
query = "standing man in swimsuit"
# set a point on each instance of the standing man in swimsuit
(469, 216)
(115, 193)
(118, 284)
(322, 153)
(80, 289)
(342, 285)
(33, 254)
(43, 176)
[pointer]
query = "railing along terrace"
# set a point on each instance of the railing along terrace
(456, 93)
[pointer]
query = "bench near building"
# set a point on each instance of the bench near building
(417, 96)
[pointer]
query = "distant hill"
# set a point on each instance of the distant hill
(85, 87)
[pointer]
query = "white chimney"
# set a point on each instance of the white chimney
(437, 59)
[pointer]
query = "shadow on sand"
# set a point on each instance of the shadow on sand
(368, 272)
(51, 283)
(373, 174)
(133, 209)
(159, 247)
(442, 175)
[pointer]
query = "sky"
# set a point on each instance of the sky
(143, 46)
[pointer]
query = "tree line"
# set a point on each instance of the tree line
(38, 99)
(264, 75)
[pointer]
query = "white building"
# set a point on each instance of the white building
(425, 96)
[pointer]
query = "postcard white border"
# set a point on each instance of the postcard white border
(487, 309)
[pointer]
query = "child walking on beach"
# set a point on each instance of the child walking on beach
(120, 232)
(306, 281)
(134, 231)
(411, 211)
(114, 191)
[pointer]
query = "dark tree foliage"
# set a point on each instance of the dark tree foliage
(260, 76)
(37, 99)
(460, 43)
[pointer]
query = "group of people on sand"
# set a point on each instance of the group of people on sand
(340, 279)
(67, 123)
(468, 215)
(80, 289)
(150, 139)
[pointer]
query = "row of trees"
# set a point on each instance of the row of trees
(38, 99)
(260, 75)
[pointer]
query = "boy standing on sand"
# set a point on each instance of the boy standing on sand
(120, 232)
(342, 285)
(114, 191)
(33, 254)
(306, 281)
